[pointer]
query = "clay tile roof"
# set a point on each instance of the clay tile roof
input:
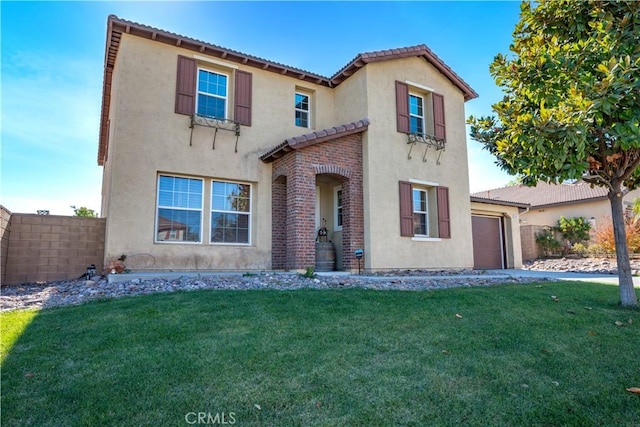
(316, 137)
(405, 52)
(117, 26)
(545, 194)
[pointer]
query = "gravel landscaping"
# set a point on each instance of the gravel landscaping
(580, 265)
(42, 295)
(53, 294)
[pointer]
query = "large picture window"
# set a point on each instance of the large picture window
(179, 213)
(212, 94)
(230, 212)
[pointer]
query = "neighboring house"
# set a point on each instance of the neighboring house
(548, 202)
(215, 159)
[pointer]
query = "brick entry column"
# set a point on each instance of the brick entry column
(294, 192)
(353, 220)
(301, 205)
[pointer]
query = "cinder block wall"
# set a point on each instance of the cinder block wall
(5, 231)
(530, 249)
(51, 247)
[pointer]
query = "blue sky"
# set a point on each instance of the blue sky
(53, 55)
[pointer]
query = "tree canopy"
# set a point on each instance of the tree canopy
(84, 212)
(571, 105)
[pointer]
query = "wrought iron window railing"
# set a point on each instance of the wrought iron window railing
(215, 123)
(429, 141)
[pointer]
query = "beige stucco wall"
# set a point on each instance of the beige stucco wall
(600, 210)
(148, 138)
(511, 217)
(386, 163)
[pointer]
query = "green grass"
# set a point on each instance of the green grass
(328, 358)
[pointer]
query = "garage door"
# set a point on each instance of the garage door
(487, 242)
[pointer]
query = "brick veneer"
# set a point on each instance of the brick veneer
(51, 247)
(293, 192)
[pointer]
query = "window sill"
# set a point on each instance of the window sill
(243, 245)
(426, 239)
(176, 242)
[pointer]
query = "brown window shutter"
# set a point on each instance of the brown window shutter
(406, 209)
(242, 108)
(444, 220)
(186, 85)
(402, 106)
(439, 127)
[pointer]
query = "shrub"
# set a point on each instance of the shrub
(310, 273)
(548, 242)
(575, 229)
(596, 250)
(579, 249)
(605, 239)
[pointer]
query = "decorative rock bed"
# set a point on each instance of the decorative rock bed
(580, 265)
(54, 294)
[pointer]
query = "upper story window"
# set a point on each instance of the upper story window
(302, 110)
(212, 94)
(179, 209)
(223, 95)
(420, 112)
(230, 212)
(416, 114)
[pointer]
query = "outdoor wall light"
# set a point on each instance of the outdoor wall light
(358, 253)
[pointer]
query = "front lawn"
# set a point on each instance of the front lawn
(505, 355)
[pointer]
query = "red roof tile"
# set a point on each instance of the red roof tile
(313, 138)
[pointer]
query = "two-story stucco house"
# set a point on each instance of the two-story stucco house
(218, 160)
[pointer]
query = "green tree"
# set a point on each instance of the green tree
(571, 105)
(84, 212)
(518, 180)
(636, 208)
(575, 229)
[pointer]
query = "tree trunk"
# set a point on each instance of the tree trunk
(627, 293)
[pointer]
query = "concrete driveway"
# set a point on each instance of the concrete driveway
(561, 275)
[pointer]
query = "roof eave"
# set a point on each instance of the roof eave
(570, 202)
(520, 205)
(414, 51)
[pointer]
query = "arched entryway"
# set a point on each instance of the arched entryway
(312, 183)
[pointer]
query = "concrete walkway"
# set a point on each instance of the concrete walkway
(561, 275)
